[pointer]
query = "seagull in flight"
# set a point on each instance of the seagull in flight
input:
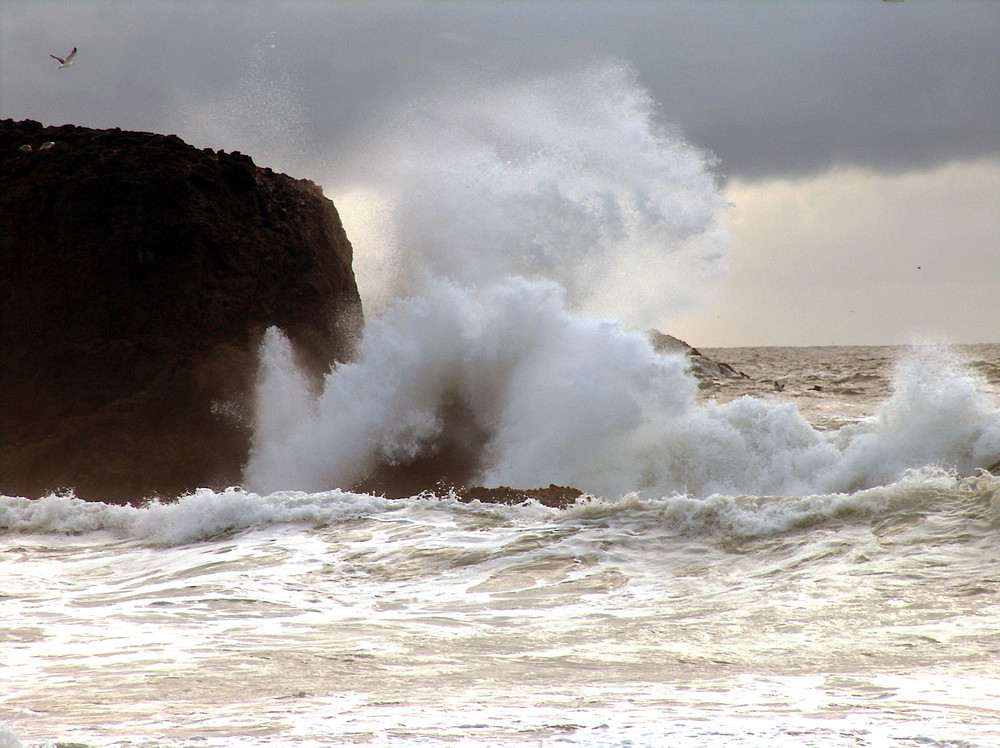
(65, 63)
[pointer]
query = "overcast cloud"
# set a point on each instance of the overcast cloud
(812, 111)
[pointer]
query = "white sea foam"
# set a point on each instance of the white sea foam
(519, 220)
(8, 739)
(556, 398)
(206, 515)
(199, 516)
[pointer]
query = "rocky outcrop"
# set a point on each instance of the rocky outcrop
(555, 496)
(700, 364)
(137, 276)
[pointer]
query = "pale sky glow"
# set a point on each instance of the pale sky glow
(857, 140)
(867, 258)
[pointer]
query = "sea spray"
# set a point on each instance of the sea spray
(261, 114)
(572, 178)
(550, 395)
(937, 415)
(534, 395)
(524, 228)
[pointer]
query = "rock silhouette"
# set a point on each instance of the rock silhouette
(700, 364)
(137, 276)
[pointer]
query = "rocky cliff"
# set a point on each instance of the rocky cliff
(137, 275)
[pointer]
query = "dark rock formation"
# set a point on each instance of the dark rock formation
(137, 275)
(700, 364)
(559, 497)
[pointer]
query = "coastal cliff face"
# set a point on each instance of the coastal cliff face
(137, 276)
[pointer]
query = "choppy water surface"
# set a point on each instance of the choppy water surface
(857, 618)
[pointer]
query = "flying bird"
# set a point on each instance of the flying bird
(65, 63)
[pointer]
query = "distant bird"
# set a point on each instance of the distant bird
(65, 63)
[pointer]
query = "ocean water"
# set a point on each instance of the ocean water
(803, 557)
(866, 616)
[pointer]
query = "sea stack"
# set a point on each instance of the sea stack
(137, 277)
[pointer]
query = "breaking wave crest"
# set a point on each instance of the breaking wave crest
(532, 226)
(502, 386)
(207, 515)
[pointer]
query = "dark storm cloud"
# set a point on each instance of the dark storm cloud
(770, 88)
(777, 88)
(794, 88)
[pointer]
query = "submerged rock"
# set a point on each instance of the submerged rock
(137, 276)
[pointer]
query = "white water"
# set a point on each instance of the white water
(554, 398)
(522, 230)
(338, 619)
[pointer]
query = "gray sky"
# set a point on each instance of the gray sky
(858, 141)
